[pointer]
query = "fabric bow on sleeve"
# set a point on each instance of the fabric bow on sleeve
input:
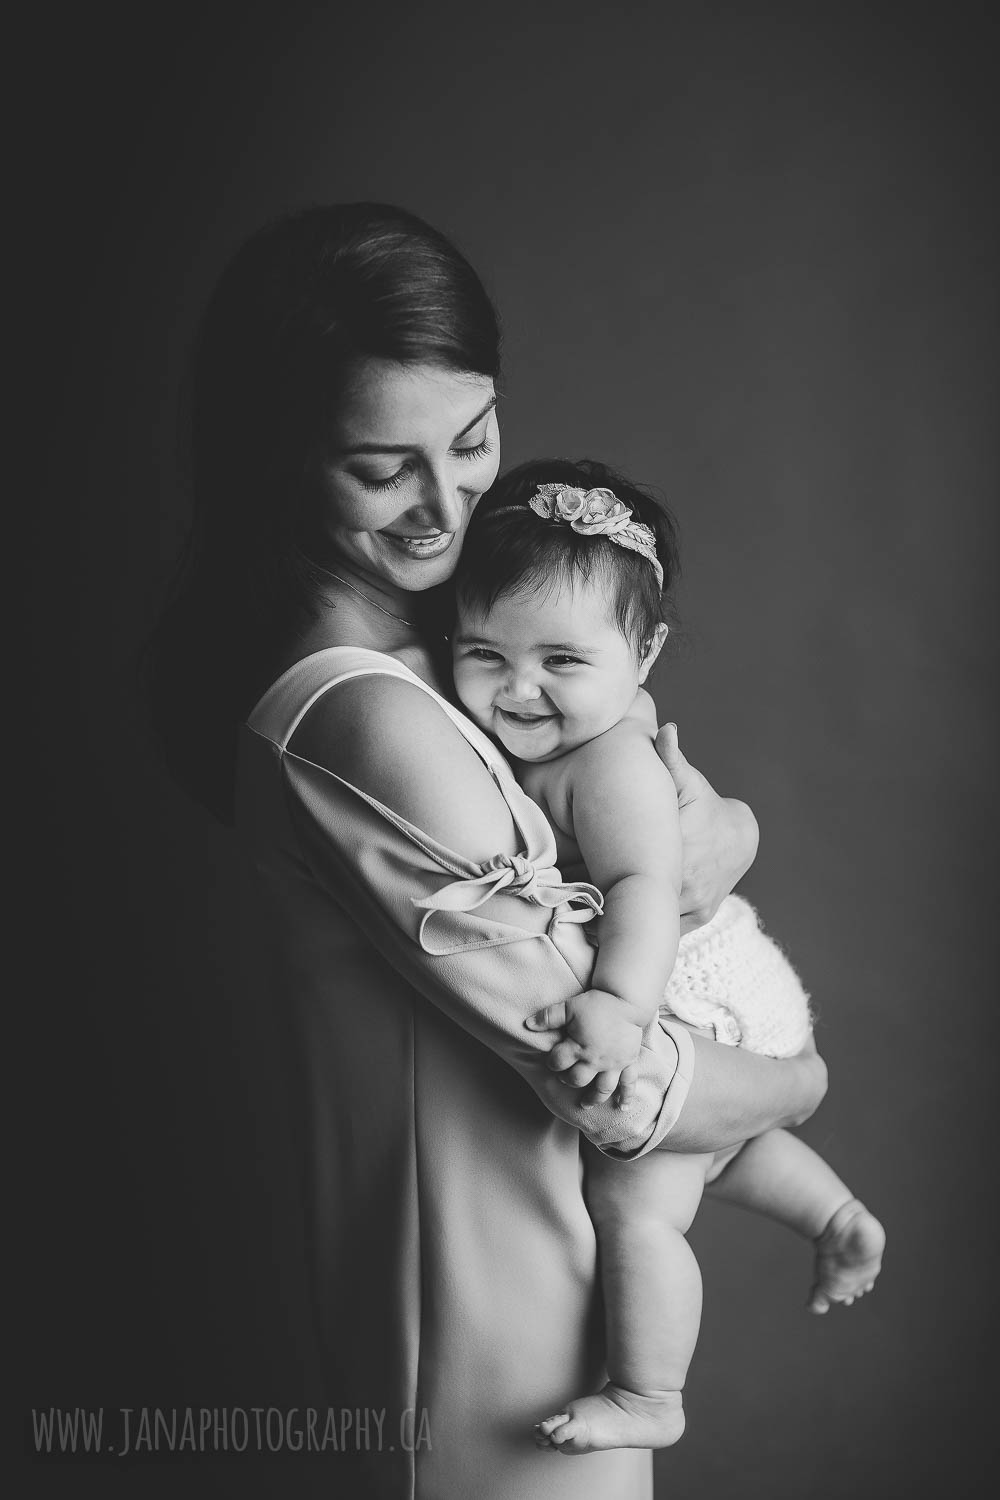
(573, 900)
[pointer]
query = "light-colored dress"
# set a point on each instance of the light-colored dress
(452, 1254)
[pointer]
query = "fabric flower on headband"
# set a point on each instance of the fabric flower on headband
(597, 513)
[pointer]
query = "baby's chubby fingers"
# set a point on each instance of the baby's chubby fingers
(551, 1018)
(563, 1056)
(579, 1075)
(602, 1089)
(627, 1086)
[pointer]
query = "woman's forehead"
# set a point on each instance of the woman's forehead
(393, 406)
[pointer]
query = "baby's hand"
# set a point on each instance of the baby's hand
(599, 1046)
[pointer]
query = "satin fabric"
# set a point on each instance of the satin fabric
(453, 1260)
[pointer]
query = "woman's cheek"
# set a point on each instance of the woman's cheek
(486, 470)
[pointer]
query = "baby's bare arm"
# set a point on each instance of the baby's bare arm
(625, 821)
(624, 818)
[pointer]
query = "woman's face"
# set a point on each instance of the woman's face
(412, 449)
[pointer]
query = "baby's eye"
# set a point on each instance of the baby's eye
(482, 653)
(562, 661)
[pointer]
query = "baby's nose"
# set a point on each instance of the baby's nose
(522, 686)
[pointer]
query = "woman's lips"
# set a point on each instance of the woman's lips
(421, 546)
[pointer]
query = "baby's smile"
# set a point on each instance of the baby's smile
(523, 719)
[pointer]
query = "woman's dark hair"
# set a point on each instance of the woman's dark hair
(509, 549)
(301, 304)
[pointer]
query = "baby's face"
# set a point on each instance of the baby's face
(545, 673)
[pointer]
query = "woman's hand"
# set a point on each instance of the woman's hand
(719, 836)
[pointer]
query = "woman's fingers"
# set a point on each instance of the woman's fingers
(690, 783)
(667, 746)
(552, 1018)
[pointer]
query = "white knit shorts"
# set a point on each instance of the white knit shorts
(730, 976)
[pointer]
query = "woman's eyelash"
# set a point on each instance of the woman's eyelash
(392, 483)
(395, 480)
(480, 450)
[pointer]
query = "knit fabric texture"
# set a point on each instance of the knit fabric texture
(732, 977)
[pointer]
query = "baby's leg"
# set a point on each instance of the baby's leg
(652, 1294)
(779, 1175)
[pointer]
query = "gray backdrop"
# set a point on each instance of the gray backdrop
(744, 252)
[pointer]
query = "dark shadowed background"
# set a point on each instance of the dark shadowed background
(745, 253)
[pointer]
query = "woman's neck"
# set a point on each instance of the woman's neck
(334, 578)
(349, 612)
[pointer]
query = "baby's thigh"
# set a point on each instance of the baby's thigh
(663, 1186)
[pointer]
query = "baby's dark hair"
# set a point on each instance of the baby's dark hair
(509, 550)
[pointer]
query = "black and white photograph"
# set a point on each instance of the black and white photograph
(509, 848)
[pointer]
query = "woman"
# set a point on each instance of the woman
(344, 429)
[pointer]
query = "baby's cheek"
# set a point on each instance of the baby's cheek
(467, 687)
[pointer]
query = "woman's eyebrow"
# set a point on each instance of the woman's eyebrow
(477, 418)
(360, 448)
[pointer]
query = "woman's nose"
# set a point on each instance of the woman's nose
(442, 502)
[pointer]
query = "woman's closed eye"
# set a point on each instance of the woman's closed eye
(479, 451)
(393, 481)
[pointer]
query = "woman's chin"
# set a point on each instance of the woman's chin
(418, 548)
(414, 570)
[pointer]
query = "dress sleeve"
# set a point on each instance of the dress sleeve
(488, 945)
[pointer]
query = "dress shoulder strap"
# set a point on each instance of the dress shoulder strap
(530, 874)
(286, 703)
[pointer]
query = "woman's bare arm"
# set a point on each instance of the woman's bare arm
(734, 1094)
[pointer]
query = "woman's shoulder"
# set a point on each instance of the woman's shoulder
(396, 740)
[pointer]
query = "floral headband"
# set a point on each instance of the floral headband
(596, 513)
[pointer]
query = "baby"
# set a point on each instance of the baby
(560, 617)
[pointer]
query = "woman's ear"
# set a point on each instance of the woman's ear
(652, 651)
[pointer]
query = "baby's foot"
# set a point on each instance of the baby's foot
(614, 1418)
(848, 1257)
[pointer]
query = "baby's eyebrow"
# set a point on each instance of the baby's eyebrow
(563, 648)
(568, 648)
(462, 639)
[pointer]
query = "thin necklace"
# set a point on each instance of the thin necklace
(374, 604)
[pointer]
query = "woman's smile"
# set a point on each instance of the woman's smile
(411, 451)
(419, 545)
